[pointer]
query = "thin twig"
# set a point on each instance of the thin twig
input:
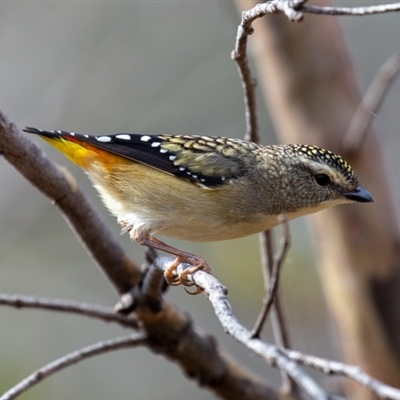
(294, 10)
(371, 103)
(279, 327)
(249, 85)
(353, 11)
(216, 293)
(278, 261)
(354, 373)
(267, 261)
(89, 310)
(71, 359)
(239, 54)
(275, 269)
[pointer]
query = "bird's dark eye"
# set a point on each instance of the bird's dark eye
(322, 179)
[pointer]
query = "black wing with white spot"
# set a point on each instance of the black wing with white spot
(204, 160)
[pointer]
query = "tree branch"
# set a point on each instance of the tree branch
(89, 310)
(353, 11)
(71, 359)
(354, 373)
(274, 275)
(271, 354)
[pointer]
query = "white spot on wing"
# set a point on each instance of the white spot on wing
(155, 144)
(103, 139)
(123, 137)
(72, 133)
(86, 136)
(145, 138)
(172, 158)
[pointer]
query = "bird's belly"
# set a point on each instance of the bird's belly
(211, 229)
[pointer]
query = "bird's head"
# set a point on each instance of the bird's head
(316, 179)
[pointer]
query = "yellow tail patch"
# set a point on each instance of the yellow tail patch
(81, 153)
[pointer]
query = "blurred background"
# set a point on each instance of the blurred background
(147, 67)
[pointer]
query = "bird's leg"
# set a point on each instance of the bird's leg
(171, 277)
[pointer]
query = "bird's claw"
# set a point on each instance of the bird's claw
(173, 278)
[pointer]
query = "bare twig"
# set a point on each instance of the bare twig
(371, 103)
(230, 378)
(71, 359)
(353, 11)
(249, 85)
(294, 10)
(89, 310)
(279, 327)
(239, 54)
(354, 373)
(274, 271)
(76, 208)
(216, 293)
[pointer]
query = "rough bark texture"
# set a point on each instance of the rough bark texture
(308, 79)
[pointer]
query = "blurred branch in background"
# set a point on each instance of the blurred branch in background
(371, 103)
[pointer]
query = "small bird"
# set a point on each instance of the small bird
(204, 189)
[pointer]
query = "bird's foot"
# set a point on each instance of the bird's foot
(173, 278)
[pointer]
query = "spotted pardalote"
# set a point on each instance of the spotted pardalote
(201, 188)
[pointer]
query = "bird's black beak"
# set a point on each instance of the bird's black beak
(359, 194)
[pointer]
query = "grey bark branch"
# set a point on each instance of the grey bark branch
(71, 359)
(351, 11)
(89, 310)
(354, 373)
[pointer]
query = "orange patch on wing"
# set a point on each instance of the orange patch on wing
(84, 154)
